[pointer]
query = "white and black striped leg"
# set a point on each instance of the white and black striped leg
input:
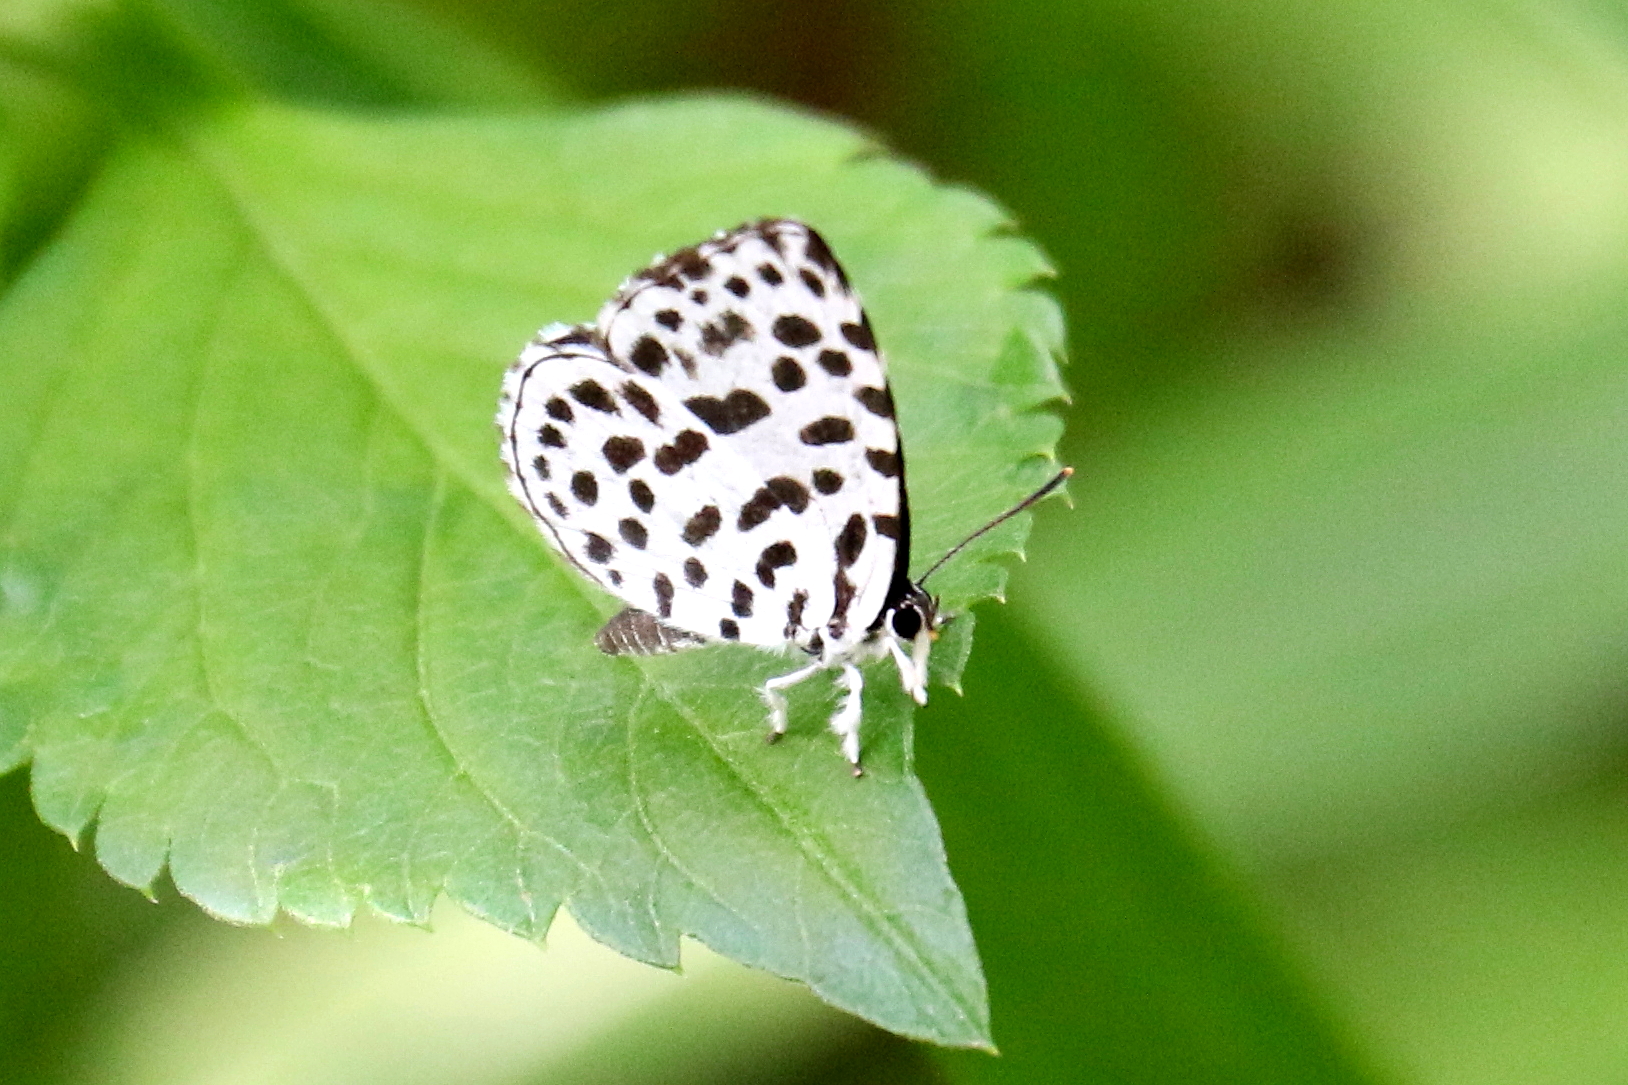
(845, 720)
(777, 701)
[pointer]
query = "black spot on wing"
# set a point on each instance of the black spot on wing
(695, 574)
(669, 319)
(740, 600)
(815, 284)
(827, 481)
(558, 409)
(770, 496)
(584, 487)
(557, 505)
(795, 331)
(794, 613)
(729, 329)
(623, 452)
(775, 556)
(819, 254)
(664, 595)
(640, 399)
(703, 525)
(756, 510)
(737, 286)
(789, 492)
(769, 231)
(551, 437)
(540, 465)
(665, 278)
(662, 274)
(860, 334)
(633, 533)
(788, 375)
(770, 274)
(843, 590)
(590, 393)
(641, 494)
(649, 355)
(691, 264)
(728, 630)
(851, 541)
(835, 362)
(598, 547)
(731, 414)
(830, 430)
(686, 448)
(886, 526)
(878, 401)
(883, 462)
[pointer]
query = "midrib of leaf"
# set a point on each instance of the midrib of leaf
(218, 167)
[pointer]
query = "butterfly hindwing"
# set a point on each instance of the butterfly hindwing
(611, 467)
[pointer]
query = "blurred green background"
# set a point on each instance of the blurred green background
(1344, 579)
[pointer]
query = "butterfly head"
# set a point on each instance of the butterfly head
(915, 616)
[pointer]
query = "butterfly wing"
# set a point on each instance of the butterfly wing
(759, 337)
(620, 479)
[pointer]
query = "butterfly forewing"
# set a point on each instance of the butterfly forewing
(720, 449)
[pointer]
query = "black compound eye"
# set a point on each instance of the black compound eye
(907, 622)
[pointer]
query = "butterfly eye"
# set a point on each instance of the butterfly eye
(907, 622)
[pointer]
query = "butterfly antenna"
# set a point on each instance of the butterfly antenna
(1057, 480)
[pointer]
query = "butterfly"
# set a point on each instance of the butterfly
(719, 450)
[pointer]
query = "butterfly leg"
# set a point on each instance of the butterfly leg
(912, 674)
(777, 701)
(845, 721)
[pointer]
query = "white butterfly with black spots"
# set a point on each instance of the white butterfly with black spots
(719, 451)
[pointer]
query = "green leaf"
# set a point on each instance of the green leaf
(270, 618)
